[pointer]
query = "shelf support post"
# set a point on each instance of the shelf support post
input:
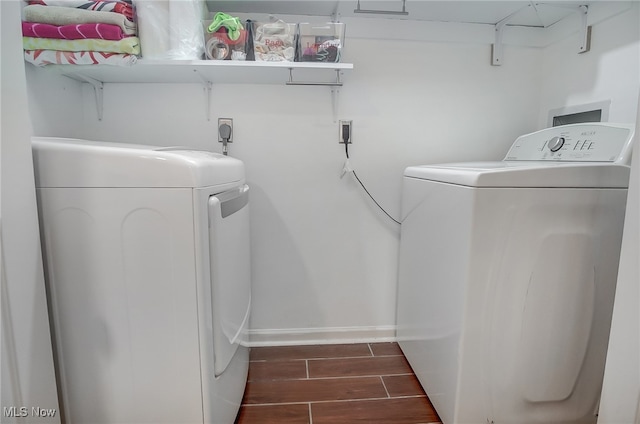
(335, 94)
(208, 87)
(585, 29)
(98, 92)
(497, 47)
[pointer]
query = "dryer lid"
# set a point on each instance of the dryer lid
(525, 174)
(65, 162)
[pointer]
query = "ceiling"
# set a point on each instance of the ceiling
(525, 13)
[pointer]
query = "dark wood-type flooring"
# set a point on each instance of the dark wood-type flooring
(337, 384)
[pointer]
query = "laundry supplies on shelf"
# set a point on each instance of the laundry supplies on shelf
(79, 32)
(171, 29)
(320, 42)
(119, 32)
(225, 38)
(274, 41)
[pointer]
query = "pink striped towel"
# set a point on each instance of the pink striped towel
(72, 32)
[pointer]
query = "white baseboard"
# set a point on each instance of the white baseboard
(326, 335)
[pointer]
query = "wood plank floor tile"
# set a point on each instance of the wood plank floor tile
(382, 365)
(278, 353)
(290, 391)
(274, 414)
(386, 411)
(403, 385)
(277, 370)
(383, 349)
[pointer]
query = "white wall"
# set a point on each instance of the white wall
(28, 378)
(324, 259)
(323, 256)
(609, 72)
(55, 104)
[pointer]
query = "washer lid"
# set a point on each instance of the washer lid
(525, 174)
(64, 162)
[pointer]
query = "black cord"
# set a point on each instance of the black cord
(346, 151)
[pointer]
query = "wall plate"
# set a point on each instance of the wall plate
(228, 121)
(345, 126)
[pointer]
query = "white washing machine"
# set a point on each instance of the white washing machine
(507, 276)
(146, 255)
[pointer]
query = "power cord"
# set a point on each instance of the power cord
(345, 138)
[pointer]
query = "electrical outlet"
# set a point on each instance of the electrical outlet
(221, 122)
(345, 131)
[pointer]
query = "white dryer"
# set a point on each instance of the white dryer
(507, 276)
(146, 254)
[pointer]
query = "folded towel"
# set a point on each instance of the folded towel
(54, 15)
(72, 32)
(104, 6)
(55, 57)
(129, 45)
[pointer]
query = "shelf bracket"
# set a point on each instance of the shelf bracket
(497, 47)
(585, 29)
(335, 16)
(98, 92)
(208, 88)
(335, 93)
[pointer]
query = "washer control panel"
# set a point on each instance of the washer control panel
(590, 142)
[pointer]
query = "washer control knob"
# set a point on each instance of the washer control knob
(556, 143)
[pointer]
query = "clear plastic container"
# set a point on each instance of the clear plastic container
(219, 46)
(320, 42)
(274, 41)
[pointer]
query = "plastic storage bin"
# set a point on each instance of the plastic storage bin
(219, 45)
(274, 41)
(320, 42)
